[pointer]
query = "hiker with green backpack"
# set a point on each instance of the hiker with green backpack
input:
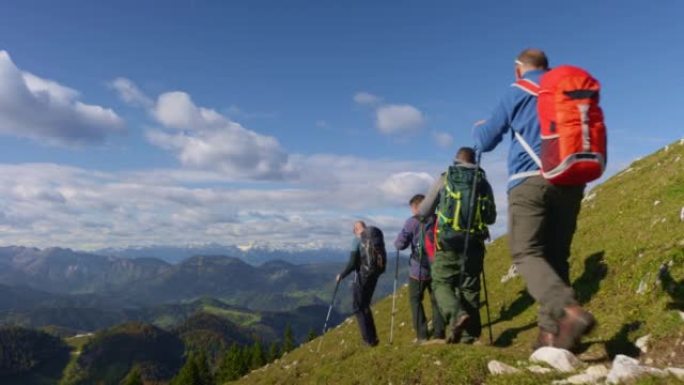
(456, 269)
(413, 234)
(557, 145)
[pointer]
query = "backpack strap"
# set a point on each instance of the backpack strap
(533, 89)
(528, 86)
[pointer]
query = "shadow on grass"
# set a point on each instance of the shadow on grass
(674, 288)
(517, 307)
(620, 343)
(506, 338)
(588, 284)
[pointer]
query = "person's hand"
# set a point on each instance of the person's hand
(337, 279)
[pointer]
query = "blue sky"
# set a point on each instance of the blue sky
(271, 137)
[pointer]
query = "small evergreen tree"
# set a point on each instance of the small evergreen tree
(311, 336)
(134, 377)
(273, 352)
(194, 372)
(288, 339)
(256, 356)
(233, 365)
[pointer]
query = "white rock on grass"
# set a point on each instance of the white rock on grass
(583, 378)
(643, 287)
(598, 370)
(677, 372)
(656, 203)
(681, 315)
(497, 367)
(681, 215)
(642, 343)
(593, 375)
(512, 273)
(627, 368)
(559, 359)
(539, 369)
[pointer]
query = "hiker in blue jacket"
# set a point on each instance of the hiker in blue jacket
(412, 234)
(542, 217)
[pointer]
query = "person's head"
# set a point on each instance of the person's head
(414, 203)
(359, 226)
(466, 155)
(530, 59)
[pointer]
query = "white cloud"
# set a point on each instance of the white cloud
(401, 186)
(443, 139)
(52, 205)
(399, 118)
(366, 99)
(46, 111)
(210, 141)
(130, 93)
(203, 139)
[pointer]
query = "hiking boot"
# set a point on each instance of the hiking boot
(371, 344)
(544, 339)
(419, 341)
(576, 323)
(456, 328)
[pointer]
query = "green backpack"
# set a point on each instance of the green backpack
(453, 209)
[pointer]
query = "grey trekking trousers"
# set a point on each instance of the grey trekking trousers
(542, 219)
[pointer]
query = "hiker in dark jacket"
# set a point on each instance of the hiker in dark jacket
(362, 288)
(459, 304)
(412, 234)
(542, 217)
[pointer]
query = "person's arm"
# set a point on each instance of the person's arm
(354, 259)
(429, 204)
(488, 134)
(405, 236)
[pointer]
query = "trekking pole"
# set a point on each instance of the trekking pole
(394, 298)
(327, 317)
(489, 317)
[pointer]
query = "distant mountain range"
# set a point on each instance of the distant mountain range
(85, 291)
(144, 281)
(252, 253)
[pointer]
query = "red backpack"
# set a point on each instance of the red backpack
(573, 149)
(429, 238)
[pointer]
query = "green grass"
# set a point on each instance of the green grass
(622, 239)
(77, 342)
(238, 317)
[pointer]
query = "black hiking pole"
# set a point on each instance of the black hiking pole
(327, 317)
(394, 298)
(489, 317)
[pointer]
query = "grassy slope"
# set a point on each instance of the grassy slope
(622, 239)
